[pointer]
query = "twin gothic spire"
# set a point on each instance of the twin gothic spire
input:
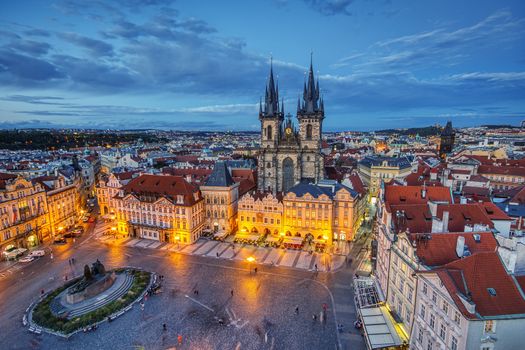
(312, 101)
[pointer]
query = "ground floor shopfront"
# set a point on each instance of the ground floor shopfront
(161, 234)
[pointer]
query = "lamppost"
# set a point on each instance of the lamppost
(250, 260)
(177, 238)
(113, 230)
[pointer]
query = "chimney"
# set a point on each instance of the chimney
(445, 221)
(460, 246)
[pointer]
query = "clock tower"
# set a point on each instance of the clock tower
(288, 156)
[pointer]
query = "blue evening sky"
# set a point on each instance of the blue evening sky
(203, 65)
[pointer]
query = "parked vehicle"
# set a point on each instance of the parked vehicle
(37, 253)
(60, 240)
(14, 253)
(27, 258)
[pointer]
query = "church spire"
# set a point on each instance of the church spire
(271, 100)
(311, 91)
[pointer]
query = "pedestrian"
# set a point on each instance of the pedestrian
(41, 292)
(255, 270)
(179, 339)
(314, 317)
(315, 267)
(297, 309)
(196, 292)
(231, 292)
(217, 254)
(164, 327)
(51, 256)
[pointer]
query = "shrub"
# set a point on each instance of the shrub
(43, 316)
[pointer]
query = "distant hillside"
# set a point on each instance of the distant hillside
(424, 131)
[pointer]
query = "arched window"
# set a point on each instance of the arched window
(309, 131)
(269, 132)
(268, 165)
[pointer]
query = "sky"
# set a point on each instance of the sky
(203, 65)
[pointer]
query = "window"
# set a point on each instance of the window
(434, 296)
(445, 307)
(489, 326)
(425, 288)
(432, 321)
(423, 311)
(443, 332)
(454, 343)
(430, 344)
(420, 336)
(457, 317)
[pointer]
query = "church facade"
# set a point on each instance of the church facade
(288, 154)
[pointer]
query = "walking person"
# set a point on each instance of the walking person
(297, 309)
(231, 292)
(314, 317)
(164, 327)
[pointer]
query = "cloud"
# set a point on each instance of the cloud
(95, 47)
(38, 100)
(331, 7)
(438, 47)
(31, 47)
(18, 69)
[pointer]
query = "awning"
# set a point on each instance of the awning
(293, 240)
(271, 239)
(247, 237)
(379, 328)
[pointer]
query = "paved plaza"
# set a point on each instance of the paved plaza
(196, 300)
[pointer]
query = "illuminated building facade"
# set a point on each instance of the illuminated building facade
(23, 212)
(160, 207)
(261, 213)
(221, 194)
(63, 201)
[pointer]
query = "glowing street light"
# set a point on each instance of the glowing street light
(250, 260)
(177, 238)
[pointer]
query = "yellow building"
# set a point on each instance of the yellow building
(261, 213)
(160, 207)
(326, 211)
(23, 212)
(373, 170)
(63, 201)
(108, 188)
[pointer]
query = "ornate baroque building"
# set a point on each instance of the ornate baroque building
(289, 155)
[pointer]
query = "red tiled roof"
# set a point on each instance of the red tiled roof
(163, 186)
(477, 273)
(4, 177)
(412, 194)
(493, 212)
(440, 249)
(245, 185)
(417, 218)
(357, 183)
(502, 170)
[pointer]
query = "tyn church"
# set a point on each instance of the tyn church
(289, 155)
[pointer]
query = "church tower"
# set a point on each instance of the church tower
(310, 114)
(446, 143)
(288, 156)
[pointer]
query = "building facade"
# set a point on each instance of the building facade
(289, 155)
(221, 194)
(63, 201)
(373, 170)
(23, 213)
(160, 207)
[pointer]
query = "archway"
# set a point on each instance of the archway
(288, 174)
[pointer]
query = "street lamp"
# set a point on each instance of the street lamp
(177, 238)
(250, 260)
